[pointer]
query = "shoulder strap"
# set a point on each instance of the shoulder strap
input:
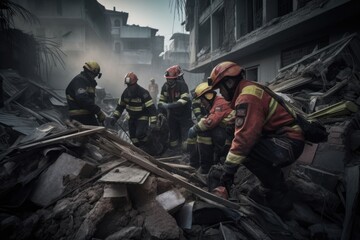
(279, 99)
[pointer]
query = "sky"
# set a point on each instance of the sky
(158, 14)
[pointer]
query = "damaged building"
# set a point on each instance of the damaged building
(64, 180)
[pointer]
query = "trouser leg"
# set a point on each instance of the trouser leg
(142, 131)
(174, 132)
(193, 152)
(132, 131)
(266, 159)
(206, 151)
(218, 136)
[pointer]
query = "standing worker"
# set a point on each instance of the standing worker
(211, 130)
(267, 137)
(175, 98)
(138, 103)
(80, 95)
(153, 90)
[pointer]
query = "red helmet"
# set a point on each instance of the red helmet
(173, 72)
(131, 78)
(222, 70)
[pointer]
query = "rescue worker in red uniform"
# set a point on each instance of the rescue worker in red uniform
(266, 136)
(198, 111)
(140, 107)
(211, 130)
(80, 95)
(174, 97)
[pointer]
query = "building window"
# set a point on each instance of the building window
(252, 73)
(218, 28)
(204, 38)
(117, 23)
(249, 16)
(294, 54)
(302, 3)
(284, 7)
(117, 47)
(59, 7)
(203, 5)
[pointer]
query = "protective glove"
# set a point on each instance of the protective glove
(227, 180)
(152, 126)
(113, 120)
(101, 116)
(192, 132)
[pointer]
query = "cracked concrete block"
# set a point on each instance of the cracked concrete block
(50, 183)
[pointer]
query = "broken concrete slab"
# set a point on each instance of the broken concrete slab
(126, 175)
(50, 183)
(115, 191)
(171, 200)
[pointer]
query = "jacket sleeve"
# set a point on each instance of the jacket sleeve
(149, 105)
(120, 107)
(83, 96)
(163, 95)
(249, 120)
(196, 108)
(184, 94)
(213, 119)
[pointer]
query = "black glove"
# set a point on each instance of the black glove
(192, 132)
(227, 180)
(101, 116)
(152, 126)
(113, 120)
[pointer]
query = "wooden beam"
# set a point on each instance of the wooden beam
(123, 151)
(62, 138)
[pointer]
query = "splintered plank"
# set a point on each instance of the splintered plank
(132, 156)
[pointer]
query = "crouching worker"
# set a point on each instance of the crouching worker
(266, 136)
(142, 112)
(210, 132)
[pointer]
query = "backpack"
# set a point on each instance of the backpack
(313, 130)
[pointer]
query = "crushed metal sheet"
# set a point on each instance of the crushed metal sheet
(126, 175)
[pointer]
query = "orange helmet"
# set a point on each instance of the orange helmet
(131, 78)
(222, 70)
(173, 72)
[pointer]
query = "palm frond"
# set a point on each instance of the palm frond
(9, 10)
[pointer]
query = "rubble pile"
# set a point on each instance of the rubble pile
(63, 180)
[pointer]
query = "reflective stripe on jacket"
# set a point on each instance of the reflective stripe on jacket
(220, 114)
(80, 95)
(138, 103)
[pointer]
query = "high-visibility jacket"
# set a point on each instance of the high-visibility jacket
(220, 114)
(177, 94)
(80, 95)
(257, 114)
(138, 103)
(198, 110)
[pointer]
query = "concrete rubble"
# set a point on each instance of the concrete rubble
(68, 181)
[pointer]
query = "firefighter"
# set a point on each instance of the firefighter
(198, 111)
(141, 109)
(174, 97)
(266, 136)
(80, 95)
(211, 130)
